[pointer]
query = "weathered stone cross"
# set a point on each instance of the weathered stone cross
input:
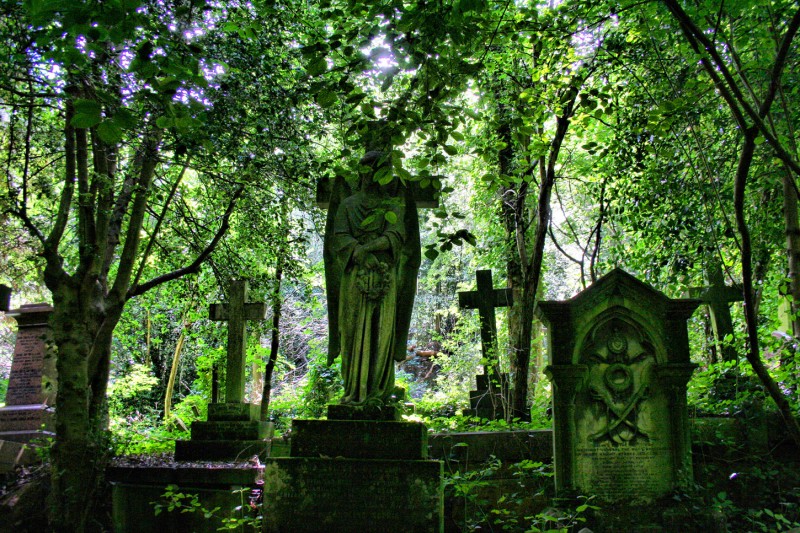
(237, 312)
(485, 299)
(718, 296)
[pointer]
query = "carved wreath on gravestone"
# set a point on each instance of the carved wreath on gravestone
(620, 358)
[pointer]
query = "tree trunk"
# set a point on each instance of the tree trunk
(753, 350)
(78, 455)
(274, 342)
(792, 226)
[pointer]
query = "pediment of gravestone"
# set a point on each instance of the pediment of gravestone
(622, 295)
(367, 412)
(359, 439)
(23, 423)
(230, 412)
(231, 430)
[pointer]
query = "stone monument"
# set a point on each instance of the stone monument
(619, 355)
(30, 399)
(491, 394)
(362, 469)
(233, 430)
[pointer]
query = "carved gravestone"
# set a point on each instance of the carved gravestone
(619, 355)
(488, 400)
(32, 383)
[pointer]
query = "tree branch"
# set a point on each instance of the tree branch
(159, 221)
(195, 266)
(147, 158)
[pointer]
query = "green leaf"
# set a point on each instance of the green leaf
(450, 150)
(391, 217)
(164, 122)
(124, 119)
(431, 253)
(109, 132)
(87, 113)
(384, 175)
(326, 99)
(317, 66)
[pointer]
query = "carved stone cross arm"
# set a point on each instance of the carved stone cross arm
(237, 312)
(485, 299)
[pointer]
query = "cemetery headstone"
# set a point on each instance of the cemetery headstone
(233, 429)
(489, 398)
(619, 355)
(32, 385)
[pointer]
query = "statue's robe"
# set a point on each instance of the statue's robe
(368, 320)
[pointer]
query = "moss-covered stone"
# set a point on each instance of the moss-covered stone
(620, 365)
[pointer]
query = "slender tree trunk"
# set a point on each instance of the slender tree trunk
(792, 225)
(274, 345)
(753, 350)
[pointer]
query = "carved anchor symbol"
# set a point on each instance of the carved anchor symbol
(621, 414)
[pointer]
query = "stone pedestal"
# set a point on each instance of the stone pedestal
(354, 475)
(620, 365)
(489, 403)
(29, 410)
(232, 433)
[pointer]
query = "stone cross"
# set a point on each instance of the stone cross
(237, 312)
(718, 296)
(485, 299)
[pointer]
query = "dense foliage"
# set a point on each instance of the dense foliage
(153, 150)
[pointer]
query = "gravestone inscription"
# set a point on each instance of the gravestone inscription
(620, 365)
(32, 382)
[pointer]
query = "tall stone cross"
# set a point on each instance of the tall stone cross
(485, 299)
(237, 312)
(718, 297)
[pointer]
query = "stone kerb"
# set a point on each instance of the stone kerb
(620, 367)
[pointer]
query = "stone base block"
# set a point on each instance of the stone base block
(230, 430)
(364, 412)
(482, 382)
(232, 412)
(13, 454)
(486, 405)
(220, 450)
(22, 423)
(359, 439)
(305, 495)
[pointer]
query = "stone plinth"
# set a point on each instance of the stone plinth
(232, 432)
(354, 475)
(364, 439)
(488, 402)
(620, 365)
(308, 494)
(32, 383)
